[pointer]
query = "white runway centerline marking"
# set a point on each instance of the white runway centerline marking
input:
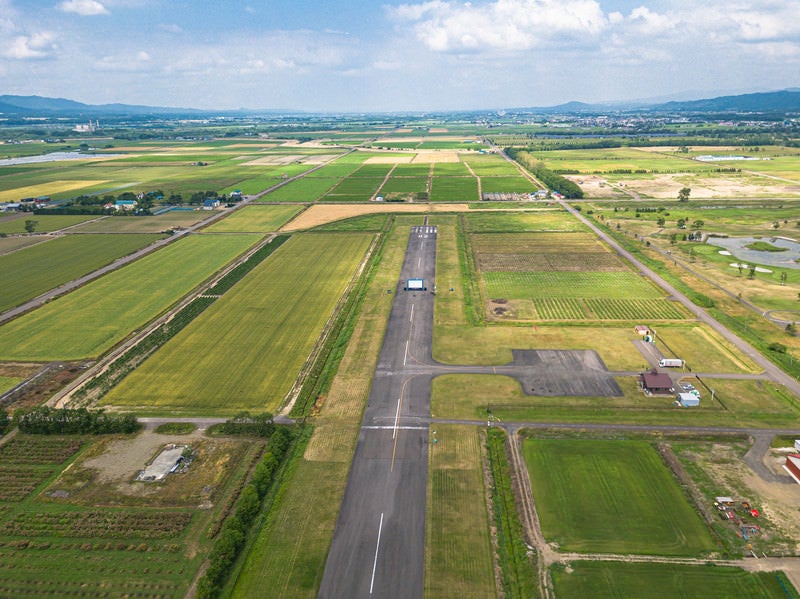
(375, 562)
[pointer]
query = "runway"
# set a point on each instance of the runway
(378, 547)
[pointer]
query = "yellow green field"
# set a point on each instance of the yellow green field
(46, 189)
(248, 347)
(88, 321)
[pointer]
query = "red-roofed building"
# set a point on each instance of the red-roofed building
(657, 383)
(792, 466)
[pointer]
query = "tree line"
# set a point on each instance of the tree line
(44, 420)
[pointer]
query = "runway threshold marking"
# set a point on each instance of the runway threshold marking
(375, 561)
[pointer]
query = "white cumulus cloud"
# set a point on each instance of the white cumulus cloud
(502, 24)
(84, 8)
(31, 47)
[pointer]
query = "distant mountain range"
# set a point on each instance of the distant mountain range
(41, 106)
(785, 101)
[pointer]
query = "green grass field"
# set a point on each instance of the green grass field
(606, 285)
(509, 184)
(354, 189)
(458, 549)
(256, 219)
(454, 189)
(601, 580)
(307, 189)
(30, 272)
(518, 222)
(248, 347)
(611, 496)
(88, 321)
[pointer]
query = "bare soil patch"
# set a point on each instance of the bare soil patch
(321, 214)
(106, 474)
(434, 156)
(400, 159)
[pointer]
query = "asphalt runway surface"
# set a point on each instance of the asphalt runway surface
(378, 547)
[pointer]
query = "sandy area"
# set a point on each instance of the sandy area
(666, 186)
(399, 159)
(437, 130)
(322, 214)
(429, 156)
(320, 158)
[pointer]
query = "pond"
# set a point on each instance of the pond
(737, 246)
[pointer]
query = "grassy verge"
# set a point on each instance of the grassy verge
(666, 581)
(458, 551)
(517, 570)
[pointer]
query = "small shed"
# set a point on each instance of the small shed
(792, 466)
(125, 205)
(642, 329)
(688, 400)
(797, 444)
(724, 500)
(657, 383)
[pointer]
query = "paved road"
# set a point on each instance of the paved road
(378, 546)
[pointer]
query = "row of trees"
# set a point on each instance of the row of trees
(232, 536)
(44, 420)
(259, 425)
(549, 178)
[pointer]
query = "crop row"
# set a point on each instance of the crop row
(653, 309)
(59, 588)
(24, 449)
(17, 482)
(96, 523)
(562, 308)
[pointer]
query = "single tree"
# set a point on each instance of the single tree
(683, 194)
(30, 225)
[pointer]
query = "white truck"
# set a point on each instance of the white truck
(670, 363)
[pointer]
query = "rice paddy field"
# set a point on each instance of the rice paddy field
(261, 332)
(612, 496)
(90, 320)
(256, 219)
(32, 271)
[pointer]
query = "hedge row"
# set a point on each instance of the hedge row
(234, 531)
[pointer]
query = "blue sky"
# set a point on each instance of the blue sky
(360, 55)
